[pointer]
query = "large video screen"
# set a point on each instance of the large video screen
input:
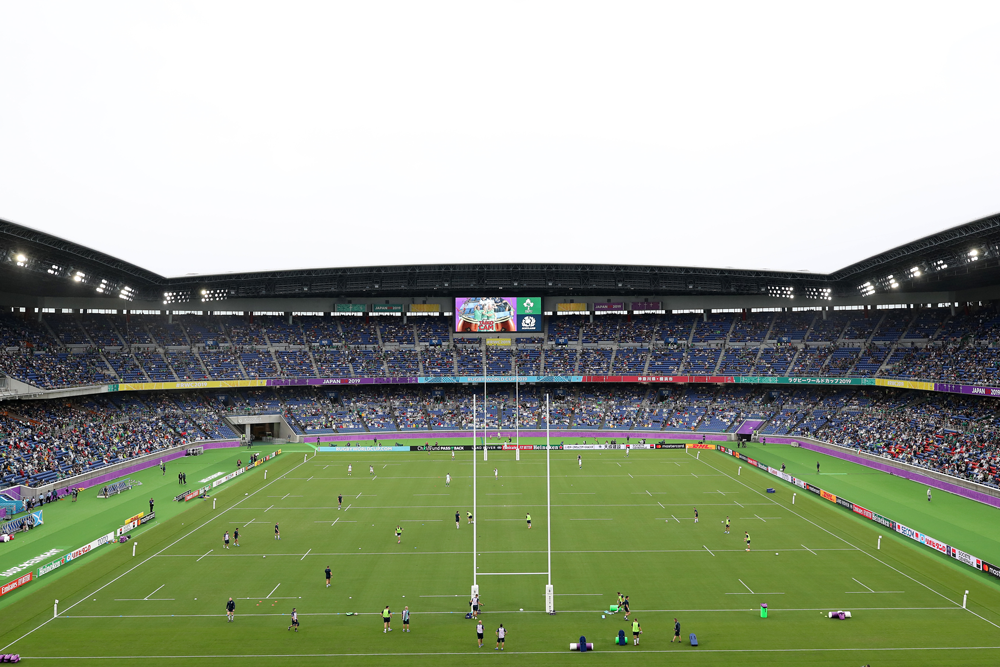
(488, 314)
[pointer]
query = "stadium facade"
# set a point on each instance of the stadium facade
(907, 337)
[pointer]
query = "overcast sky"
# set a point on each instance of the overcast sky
(204, 137)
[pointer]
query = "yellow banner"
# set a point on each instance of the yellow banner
(425, 308)
(905, 384)
(571, 307)
(498, 341)
(203, 384)
(698, 445)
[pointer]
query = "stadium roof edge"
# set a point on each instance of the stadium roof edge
(936, 262)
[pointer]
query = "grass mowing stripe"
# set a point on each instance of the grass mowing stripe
(247, 497)
(442, 653)
(878, 560)
(740, 610)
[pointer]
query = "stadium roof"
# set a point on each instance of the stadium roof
(228, 136)
(39, 264)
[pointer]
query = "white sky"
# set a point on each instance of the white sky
(203, 137)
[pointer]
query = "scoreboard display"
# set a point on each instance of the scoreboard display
(489, 314)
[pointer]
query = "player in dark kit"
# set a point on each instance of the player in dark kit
(340, 500)
(295, 620)
(230, 611)
(457, 519)
(328, 574)
(277, 532)
(236, 536)
(625, 607)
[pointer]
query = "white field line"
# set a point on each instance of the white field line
(154, 592)
(146, 560)
(249, 522)
(357, 496)
(863, 586)
(209, 551)
(272, 592)
(744, 585)
(591, 519)
(335, 521)
(630, 475)
(707, 549)
(530, 611)
(453, 553)
(808, 549)
(410, 654)
(304, 556)
(660, 504)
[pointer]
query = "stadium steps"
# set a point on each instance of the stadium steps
(312, 359)
(204, 368)
(239, 362)
(725, 342)
(52, 333)
(107, 364)
(809, 328)
(795, 360)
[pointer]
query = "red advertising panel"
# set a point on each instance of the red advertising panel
(17, 583)
(862, 511)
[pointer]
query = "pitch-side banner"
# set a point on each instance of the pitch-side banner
(921, 385)
(915, 535)
(17, 583)
(348, 450)
(621, 446)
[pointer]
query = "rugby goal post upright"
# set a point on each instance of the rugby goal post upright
(550, 595)
(475, 586)
(517, 413)
(486, 418)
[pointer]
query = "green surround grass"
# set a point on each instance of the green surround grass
(963, 523)
(609, 533)
(70, 525)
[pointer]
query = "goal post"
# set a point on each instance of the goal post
(549, 593)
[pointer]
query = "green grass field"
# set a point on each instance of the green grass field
(618, 524)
